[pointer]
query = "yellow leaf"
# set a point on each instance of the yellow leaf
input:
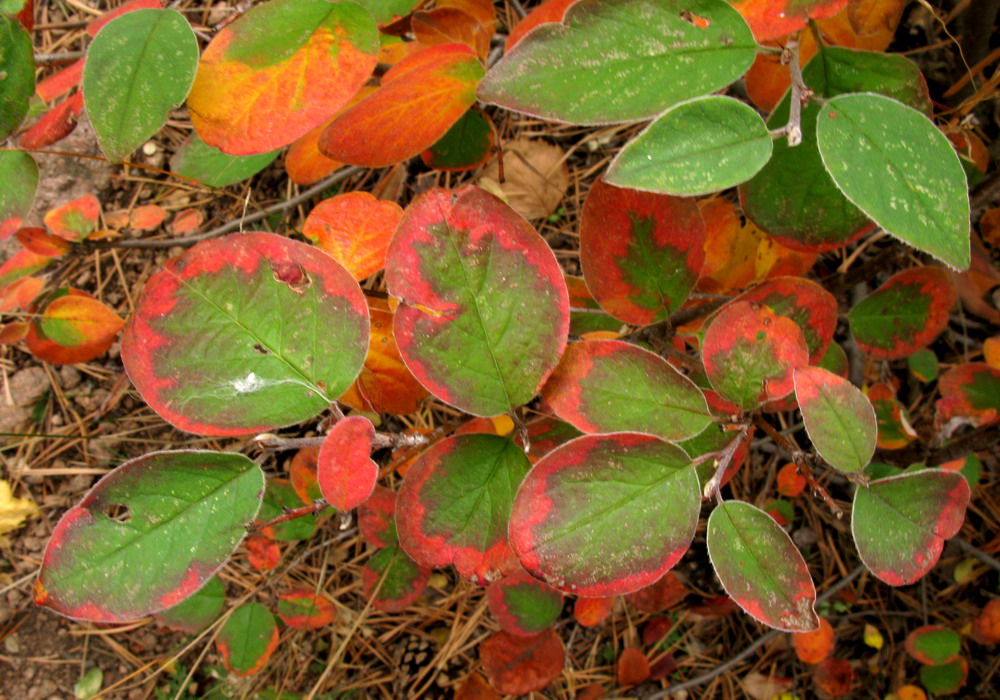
(13, 511)
(873, 637)
(964, 570)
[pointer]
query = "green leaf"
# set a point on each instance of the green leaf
(839, 419)
(89, 685)
(17, 75)
(893, 163)
(933, 644)
(760, 568)
(19, 173)
(696, 147)
(945, 679)
(385, 11)
(195, 613)
(900, 523)
(621, 60)
(139, 67)
(248, 638)
(923, 365)
(148, 535)
(199, 161)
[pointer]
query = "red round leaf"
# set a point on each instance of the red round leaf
(344, 468)
(517, 666)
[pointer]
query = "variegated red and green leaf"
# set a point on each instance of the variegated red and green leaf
(20, 265)
(40, 242)
(485, 313)
(607, 386)
(377, 518)
(894, 429)
(641, 252)
(355, 228)
(454, 505)
(946, 678)
(345, 469)
(403, 579)
(155, 529)
(760, 568)
(770, 19)
(517, 665)
(278, 71)
(48, 350)
(245, 333)
(970, 390)
(900, 523)
(546, 434)
(903, 315)
(590, 612)
(933, 644)
(74, 321)
(247, 639)
(75, 220)
(304, 609)
(466, 145)
(418, 101)
(302, 474)
(522, 605)
(749, 353)
(839, 419)
(195, 613)
(566, 523)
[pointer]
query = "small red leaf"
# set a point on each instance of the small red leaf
(790, 482)
(344, 467)
(633, 667)
(517, 665)
(834, 676)
(590, 612)
(263, 553)
(147, 217)
(813, 647)
(55, 125)
(770, 19)
(39, 241)
(60, 82)
(303, 609)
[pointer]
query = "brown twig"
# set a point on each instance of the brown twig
(290, 514)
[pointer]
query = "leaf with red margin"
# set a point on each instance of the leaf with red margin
(769, 19)
(455, 503)
(47, 349)
(405, 579)
(60, 82)
(247, 639)
(749, 353)
(590, 612)
(303, 609)
(641, 252)
(75, 220)
(278, 71)
(20, 265)
(187, 511)
(418, 101)
(667, 592)
(546, 434)
(548, 11)
(760, 568)
(833, 676)
(195, 613)
(608, 386)
(903, 315)
(894, 429)
(345, 468)
(263, 553)
(565, 525)
(377, 518)
(933, 644)
(522, 605)
(40, 242)
(813, 308)
(466, 145)
(302, 474)
(946, 678)
(289, 330)
(485, 312)
(813, 647)
(714, 438)
(74, 321)
(355, 228)
(518, 665)
(900, 523)
(632, 667)
(55, 125)
(839, 420)
(970, 390)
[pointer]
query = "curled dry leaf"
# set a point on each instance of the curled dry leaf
(536, 177)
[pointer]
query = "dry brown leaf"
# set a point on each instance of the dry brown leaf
(536, 177)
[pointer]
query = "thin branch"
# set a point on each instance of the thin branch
(58, 57)
(276, 443)
(290, 514)
(977, 553)
(722, 464)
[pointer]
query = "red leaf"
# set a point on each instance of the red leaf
(523, 605)
(475, 687)
(986, 626)
(56, 124)
(662, 595)
(61, 82)
(590, 612)
(39, 241)
(517, 666)
(549, 11)
(263, 553)
(633, 667)
(834, 676)
(345, 468)
(813, 647)
(769, 19)
(790, 482)
(303, 609)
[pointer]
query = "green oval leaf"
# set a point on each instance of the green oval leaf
(607, 386)
(893, 163)
(606, 514)
(199, 161)
(839, 419)
(454, 506)
(246, 333)
(17, 66)
(247, 639)
(900, 523)
(194, 614)
(933, 644)
(485, 312)
(522, 605)
(946, 678)
(760, 568)
(139, 67)
(19, 173)
(696, 147)
(621, 60)
(148, 535)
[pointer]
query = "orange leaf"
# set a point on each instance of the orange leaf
(263, 553)
(991, 351)
(790, 482)
(448, 25)
(147, 217)
(404, 117)
(986, 627)
(768, 79)
(813, 647)
(355, 228)
(48, 350)
(633, 667)
(73, 321)
(769, 19)
(910, 692)
(21, 264)
(60, 83)
(75, 220)
(13, 332)
(475, 687)
(55, 124)
(20, 293)
(482, 10)
(549, 11)
(304, 163)
(590, 612)
(864, 24)
(40, 241)
(186, 221)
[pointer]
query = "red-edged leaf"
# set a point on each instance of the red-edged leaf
(900, 523)
(839, 420)
(834, 676)
(377, 518)
(129, 6)
(549, 11)
(632, 668)
(302, 474)
(760, 568)
(813, 647)
(303, 609)
(186, 512)
(750, 352)
(247, 639)
(75, 220)
(933, 644)
(641, 252)
(74, 321)
(405, 580)
(454, 506)
(485, 311)
(790, 482)
(345, 468)
(40, 242)
(566, 523)
(196, 613)
(55, 125)
(278, 71)
(606, 386)
(355, 228)
(548, 433)
(783, 512)
(590, 612)
(517, 666)
(904, 314)
(522, 605)
(466, 145)
(662, 595)
(947, 678)
(147, 217)
(60, 82)
(279, 498)
(418, 101)
(263, 553)
(894, 429)
(770, 19)
(970, 390)
(289, 330)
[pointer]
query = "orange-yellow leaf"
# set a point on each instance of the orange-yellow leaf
(355, 228)
(187, 220)
(75, 220)
(73, 321)
(991, 351)
(147, 217)
(449, 25)
(869, 25)
(39, 241)
(813, 647)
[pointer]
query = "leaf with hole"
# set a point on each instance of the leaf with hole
(760, 568)
(522, 605)
(185, 512)
(247, 639)
(839, 420)
(303, 609)
(517, 665)
(485, 313)
(355, 228)
(900, 523)
(289, 330)
(345, 468)
(403, 579)
(17, 66)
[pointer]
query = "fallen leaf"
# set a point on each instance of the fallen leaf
(13, 511)
(633, 667)
(536, 177)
